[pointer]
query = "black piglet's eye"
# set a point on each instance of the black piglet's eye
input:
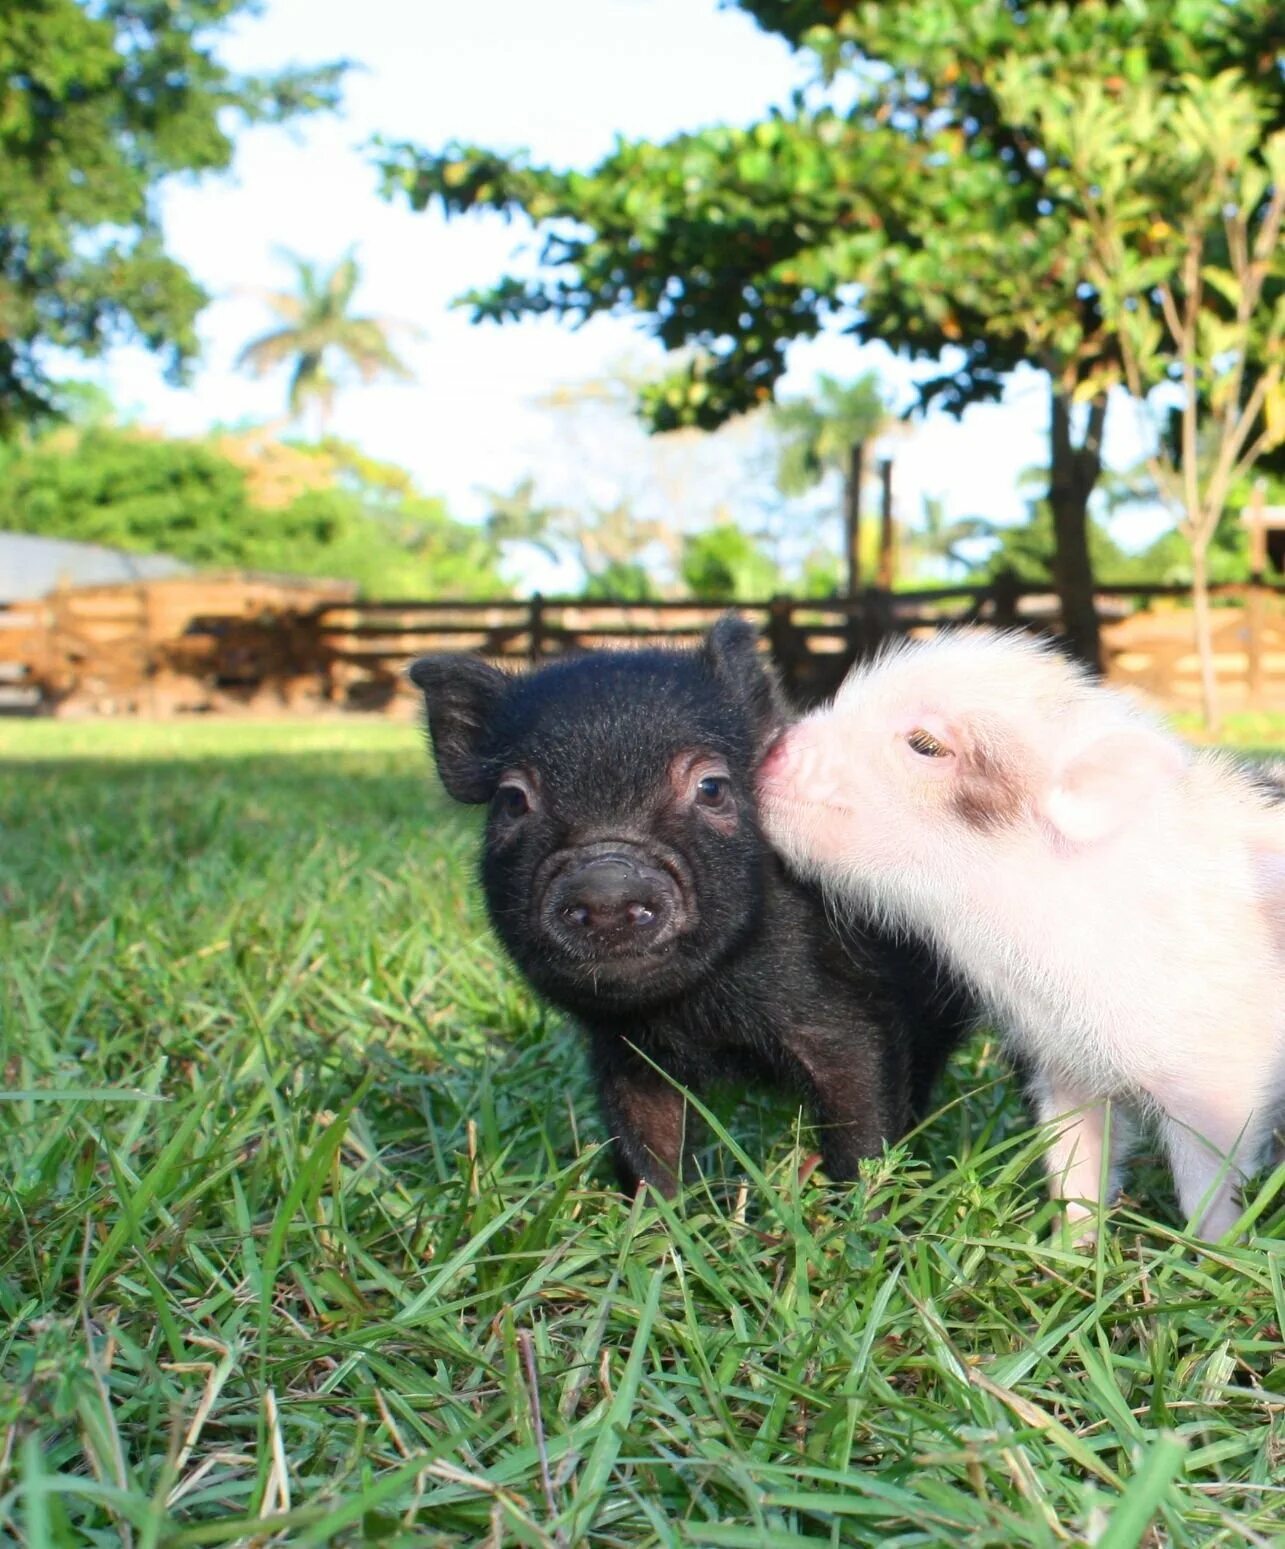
(712, 790)
(512, 801)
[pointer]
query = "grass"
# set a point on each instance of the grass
(304, 1236)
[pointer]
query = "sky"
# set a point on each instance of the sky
(560, 79)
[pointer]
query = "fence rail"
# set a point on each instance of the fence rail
(130, 648)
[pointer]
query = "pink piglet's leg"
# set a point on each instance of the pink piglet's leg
(1089, 1132)
(1211, 1142)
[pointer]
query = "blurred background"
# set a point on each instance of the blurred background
(575, 322)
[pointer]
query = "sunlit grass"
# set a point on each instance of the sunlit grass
(306, 1232)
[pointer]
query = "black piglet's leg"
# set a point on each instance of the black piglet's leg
(848, 1081)
(645, 1115)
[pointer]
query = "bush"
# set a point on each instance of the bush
(146, 494)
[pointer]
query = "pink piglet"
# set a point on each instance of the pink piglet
(1115, 897)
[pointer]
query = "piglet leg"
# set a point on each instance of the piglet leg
(645, 1115)
(844, 1077)
(1090, 1134)
(1211, 1142)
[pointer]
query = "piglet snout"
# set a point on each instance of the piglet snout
(775, 764)
(796, 765)
(613, 902)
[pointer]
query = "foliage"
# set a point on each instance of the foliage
(1026, 548)
(102, 102)
(146, 494)
(620, 581)
(938, 542)
(822, 576)
(725, 564)
(907, 205)
(309, 1223)
(319, 337)
(128, 490)
(816, 434)
(925, 194)
(610, 544)
(1173, 202)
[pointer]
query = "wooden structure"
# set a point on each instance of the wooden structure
(253, 643)
(813, 642)
(178, 643)
(1154, 651)
(1147, 635)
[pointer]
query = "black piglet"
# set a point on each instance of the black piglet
(626, 875)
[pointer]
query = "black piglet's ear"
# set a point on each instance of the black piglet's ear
(732, 651)
(460, 693)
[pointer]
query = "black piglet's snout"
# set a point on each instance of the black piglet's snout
(612, 901)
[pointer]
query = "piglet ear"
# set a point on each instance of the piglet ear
(732, 653)
(460, 693)
(1097, 793)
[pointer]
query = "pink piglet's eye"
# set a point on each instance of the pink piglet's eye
(923, 742)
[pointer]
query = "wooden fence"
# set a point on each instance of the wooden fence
(1146, 631)
(258, 646)
(812, 641)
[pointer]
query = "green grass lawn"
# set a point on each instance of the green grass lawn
(304, 1233)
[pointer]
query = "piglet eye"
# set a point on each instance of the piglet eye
(924, 742)
(512, 801)
(712, 790)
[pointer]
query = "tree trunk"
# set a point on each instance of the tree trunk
(1204, 635)
(852, 517)
(887, 528)
(1073, 473)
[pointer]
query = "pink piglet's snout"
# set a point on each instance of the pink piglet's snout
(776, 761)
(796, 767)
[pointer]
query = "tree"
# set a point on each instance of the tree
(608, 543)
(102, 102)
(827, 433)
(143, 493)
(319, 338)
(919, 215)
(620, 581)
(1176, 197)
(938, 541)
(724, 564)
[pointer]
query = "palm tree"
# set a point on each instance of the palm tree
(829, 432)
(939, 539)
(318, 332)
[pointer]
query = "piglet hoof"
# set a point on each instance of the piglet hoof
(808, 1166)
(1078, 1228)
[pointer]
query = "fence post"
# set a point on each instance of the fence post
(535, 628)
(780, 637)
(852, 515)
(878, 623)
(1256, 596)
(887, 573)
(1005, 590)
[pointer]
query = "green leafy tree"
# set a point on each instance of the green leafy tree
(1026, 550)
(128, 491)
(608, 543)
(826, 434)
(940, 541)
(320, 339)
(724, 564)
(620, 581)
(1177, 197)
(910, 206)
(145, 494)
(101, 102)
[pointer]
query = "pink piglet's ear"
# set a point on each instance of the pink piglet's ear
(1098, 792)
